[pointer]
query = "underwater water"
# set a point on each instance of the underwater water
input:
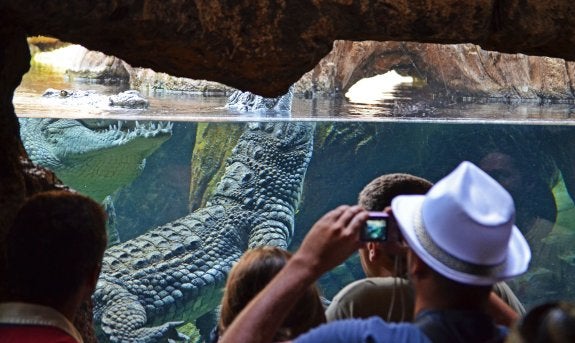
(529, 149)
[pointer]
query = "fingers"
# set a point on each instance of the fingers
(348, 214)
(332, 238)
(336, 212)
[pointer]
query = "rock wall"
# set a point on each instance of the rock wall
(148, 80)
(463, 70)
(78, 62)
(264, 47)
(455, 69)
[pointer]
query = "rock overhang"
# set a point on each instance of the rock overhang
(264, 47)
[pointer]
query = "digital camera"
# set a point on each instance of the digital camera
(375, 228)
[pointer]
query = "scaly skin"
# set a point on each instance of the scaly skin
(91, 99)
(97, 161)
(250, 102)
(175, 272)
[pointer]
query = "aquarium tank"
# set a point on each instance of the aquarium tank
(191, 179)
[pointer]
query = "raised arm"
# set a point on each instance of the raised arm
(332, 239)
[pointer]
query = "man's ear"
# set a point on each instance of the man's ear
(372, 251)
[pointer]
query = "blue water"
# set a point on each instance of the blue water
(529, 148)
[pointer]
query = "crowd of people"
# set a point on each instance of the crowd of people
(438, 276)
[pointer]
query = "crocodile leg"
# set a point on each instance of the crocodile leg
(124, 317)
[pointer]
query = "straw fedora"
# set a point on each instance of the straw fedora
(464, 228)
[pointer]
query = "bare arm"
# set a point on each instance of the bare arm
(331, 240)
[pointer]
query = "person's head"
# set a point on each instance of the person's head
(547, 323)
(54, 248)
(255, 269)
(531, 190)
(376, 258)
(463, 230)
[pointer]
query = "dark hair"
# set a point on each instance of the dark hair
(377, 194)
(550, 322)
(55, 242)
(250, 275)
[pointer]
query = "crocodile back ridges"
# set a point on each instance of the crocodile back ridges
(171, 271)
(265, 174)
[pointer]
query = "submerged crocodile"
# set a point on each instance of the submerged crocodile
(175, 272)
(92, 156)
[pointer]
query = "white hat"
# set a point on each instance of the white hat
(463, 228)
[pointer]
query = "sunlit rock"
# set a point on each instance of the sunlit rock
(464, 70)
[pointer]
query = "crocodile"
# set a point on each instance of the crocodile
(250, 102)
(94, 157)
(175, 272)
(90, 98)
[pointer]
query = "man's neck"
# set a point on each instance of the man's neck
(429, 296)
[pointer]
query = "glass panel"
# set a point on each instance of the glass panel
(162, 178)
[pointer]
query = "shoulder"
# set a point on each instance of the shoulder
(368, 297)
(381, 285)
(373, 329)
(33, 334)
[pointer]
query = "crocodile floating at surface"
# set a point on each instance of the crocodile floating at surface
(250, 102)
(175, 272)
(92, 156)
(127, 99)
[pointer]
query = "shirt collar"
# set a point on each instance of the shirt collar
(31, 314)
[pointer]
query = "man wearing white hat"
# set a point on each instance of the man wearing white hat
(461, 238)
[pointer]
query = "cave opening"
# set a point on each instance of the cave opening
(380, 88)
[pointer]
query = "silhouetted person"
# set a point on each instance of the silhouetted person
(547, 323)
(54, 251)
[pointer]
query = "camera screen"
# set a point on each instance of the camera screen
(375, 230)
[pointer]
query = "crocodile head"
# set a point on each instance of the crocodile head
(90, 98)
(250, 102)
(95, 157)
